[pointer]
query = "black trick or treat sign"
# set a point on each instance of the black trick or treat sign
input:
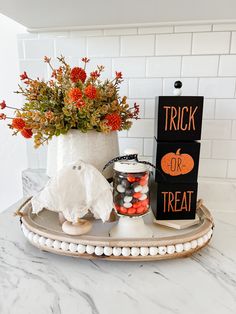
(179, 118)
(178, 127)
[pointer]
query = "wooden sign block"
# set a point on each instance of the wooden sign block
(179, 118)
(176, 201)
(177, 161)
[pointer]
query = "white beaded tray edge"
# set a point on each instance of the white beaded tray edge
(91, 247)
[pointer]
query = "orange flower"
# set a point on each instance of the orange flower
(75, 94)
(18, 123)
(23, 76)
(80, 103)
(90, 91)
(78, 74)
(3, 116)
(119, 75)
(27, 133)
(3, 104)
(114, 121)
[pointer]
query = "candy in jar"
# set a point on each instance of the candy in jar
(131, 189)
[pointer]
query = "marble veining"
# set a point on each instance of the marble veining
(36, 282)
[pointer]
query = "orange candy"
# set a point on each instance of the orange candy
(131, 211)
(140, 210)
(123, 210)
(145, 202)
(143, 182)
(137, 204)
(131, 179)
(137, 195)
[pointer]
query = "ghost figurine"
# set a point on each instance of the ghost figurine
(76, 189)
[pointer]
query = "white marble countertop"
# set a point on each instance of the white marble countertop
(35, 282)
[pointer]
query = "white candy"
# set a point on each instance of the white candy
(128, 199)
(108, 250)
(162, 250)
(209, 233)
(205, 238)
(170, 249)
(143, 197)
(117, 251)
(99, 250)
(120, 188)
(64, 246)
(42, 241)
(138, 188)
(145, 189)
(30, 236)
(127, 205)
(187, 246)
(81, 249)
(36, 238)
(125, 251)
(200, 241)
(135, 251)
(49, 242)
(144, 251)
(73, 247)
(57, 244)
(179, 248)
(194, 244)
(153, 250)
(90, 249)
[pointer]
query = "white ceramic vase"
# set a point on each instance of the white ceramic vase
(92, 147)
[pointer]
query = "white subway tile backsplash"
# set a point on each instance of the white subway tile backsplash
(231, 173)
(71, 47)
(209, 108)
(205, 151)
(37, 49)
(224, 149)
(233, 43)
(120, 31)
(193, 28)
(163, 66)
(148, 146)
(200, 66)
(145, 88)
(156, 30)
(130, 67)
(141, 45)
(216, 168)
(34, 68)
(142, 128)
(234, 130)
(20, 48)
(86, 33)
(53, 34)
(211, 43)
(225, 109)
(135, 143)
(227, 65)
(103, 46)
(150, 108)
(216, 129)
(217, 87)
(173, 44)
(190, 86)
(224, 27)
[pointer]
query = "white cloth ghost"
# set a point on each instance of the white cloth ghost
(76, 189)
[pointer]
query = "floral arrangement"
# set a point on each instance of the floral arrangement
(71, 99)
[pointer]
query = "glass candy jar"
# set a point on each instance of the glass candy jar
(130, 188)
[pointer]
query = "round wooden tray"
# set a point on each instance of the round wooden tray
(44, 232)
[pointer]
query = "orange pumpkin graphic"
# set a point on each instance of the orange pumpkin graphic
(176, 164)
